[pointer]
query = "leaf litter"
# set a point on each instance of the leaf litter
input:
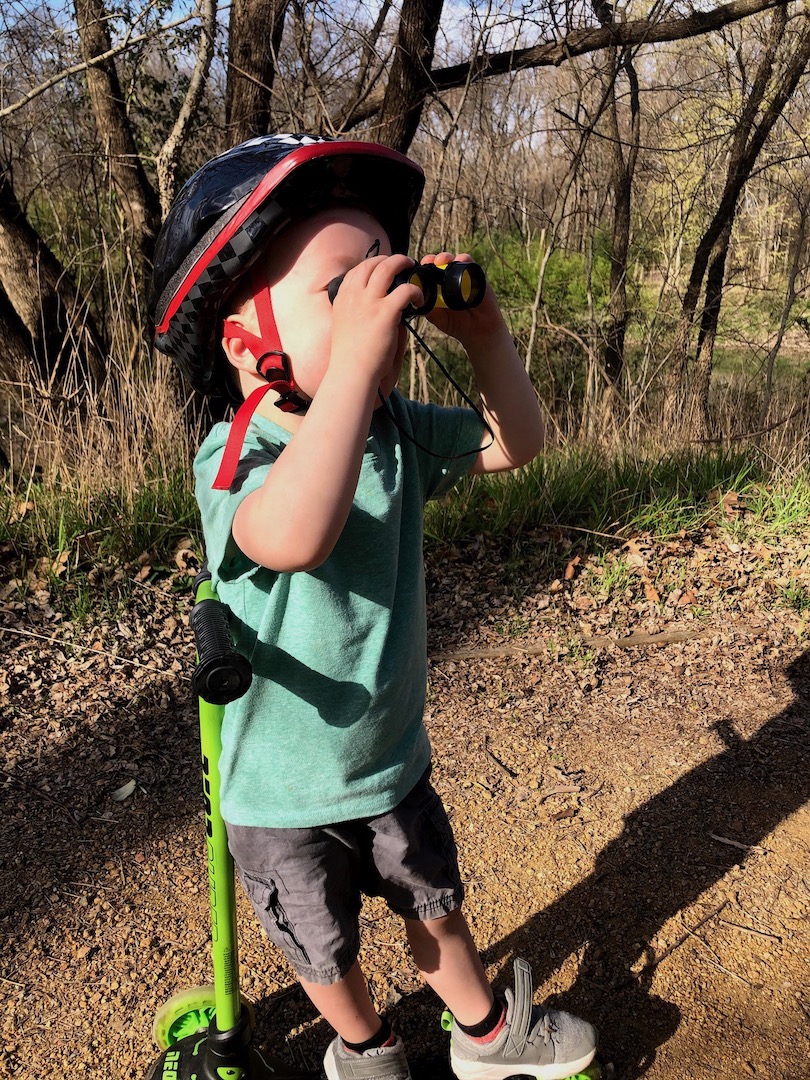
(625, 769)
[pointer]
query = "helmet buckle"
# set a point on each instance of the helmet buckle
(270, 372)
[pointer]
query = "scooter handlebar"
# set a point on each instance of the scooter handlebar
(222, 674)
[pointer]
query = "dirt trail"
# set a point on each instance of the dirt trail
(632, 820)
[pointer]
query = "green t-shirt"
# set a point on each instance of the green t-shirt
(331, 728)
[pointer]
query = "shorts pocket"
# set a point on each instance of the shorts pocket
(264, 895)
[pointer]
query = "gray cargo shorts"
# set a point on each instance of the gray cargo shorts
(306, 884)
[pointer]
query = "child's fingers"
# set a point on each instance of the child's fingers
(445, 257)
(376, 269)
(376, 276)
(382, 279)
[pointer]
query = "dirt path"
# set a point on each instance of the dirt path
(632, 820)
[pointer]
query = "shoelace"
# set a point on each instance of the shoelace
(545, 1027)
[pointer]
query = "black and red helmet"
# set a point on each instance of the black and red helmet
(231, 208)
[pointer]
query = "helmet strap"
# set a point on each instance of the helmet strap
(273, 365)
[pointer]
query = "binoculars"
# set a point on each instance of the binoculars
(457, 286)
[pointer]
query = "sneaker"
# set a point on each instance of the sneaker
(534, 1041)
(381, 1063)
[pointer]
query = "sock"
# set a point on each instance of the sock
(489, 1027)
(384, 1037)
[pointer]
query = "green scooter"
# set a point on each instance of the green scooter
(206, 1033)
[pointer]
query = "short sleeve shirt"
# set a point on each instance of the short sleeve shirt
(331, 728)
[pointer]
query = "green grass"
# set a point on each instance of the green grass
(605, 498)
(590, 499)
(76, 543)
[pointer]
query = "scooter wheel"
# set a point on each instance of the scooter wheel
(186, 1013)
(594, 1071)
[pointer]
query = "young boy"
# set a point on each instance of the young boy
(312, 503)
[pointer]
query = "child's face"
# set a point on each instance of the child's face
(299, 268)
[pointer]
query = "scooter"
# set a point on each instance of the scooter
(206, 1033)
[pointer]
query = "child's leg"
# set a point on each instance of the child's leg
(346, 1005)
(445, 953)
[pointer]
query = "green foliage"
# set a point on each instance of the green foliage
(606, 498)
(512, 267)
(51, 523)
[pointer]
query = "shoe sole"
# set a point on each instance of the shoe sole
(478, 1070)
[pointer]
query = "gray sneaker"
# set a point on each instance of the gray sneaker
(534, 1041)
(382, 1063)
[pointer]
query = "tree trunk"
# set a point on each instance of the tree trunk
(62, 338)
(255, 33)
(748, 141)
(169, 157)
(713, 298)
(139, 201)
(410, 77)
(624, 166)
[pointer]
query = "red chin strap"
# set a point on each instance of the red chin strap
(273, 364)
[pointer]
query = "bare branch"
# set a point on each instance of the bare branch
(580, 42)
(170, 152)
(75, 69)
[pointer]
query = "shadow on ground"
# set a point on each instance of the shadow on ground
(663, 860)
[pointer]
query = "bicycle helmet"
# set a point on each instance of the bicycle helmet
(227, 214)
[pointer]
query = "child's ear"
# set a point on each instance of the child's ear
(237, 352)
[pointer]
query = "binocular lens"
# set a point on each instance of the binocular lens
(462, 285)
(458, 285)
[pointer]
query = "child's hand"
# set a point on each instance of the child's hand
(471, 324)
(368, 335)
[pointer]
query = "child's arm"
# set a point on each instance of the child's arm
(294, 520)
(509, 402)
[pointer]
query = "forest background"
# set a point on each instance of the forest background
(634, 179)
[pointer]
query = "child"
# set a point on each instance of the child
(312, 503)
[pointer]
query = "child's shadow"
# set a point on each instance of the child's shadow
(662, 862)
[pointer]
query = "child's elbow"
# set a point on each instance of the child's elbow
(283, 558)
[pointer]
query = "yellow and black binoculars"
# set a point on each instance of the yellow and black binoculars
(457, 286)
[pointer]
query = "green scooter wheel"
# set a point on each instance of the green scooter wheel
(186, 1013)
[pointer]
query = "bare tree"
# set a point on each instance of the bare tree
(769, 92)
(255, 31)
(139, 201)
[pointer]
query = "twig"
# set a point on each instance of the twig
(561, 789)
(737, 844)
(733, 974)
(751, 930)
(666, 637)
(648, 969)
(504, 769)
(715, 962)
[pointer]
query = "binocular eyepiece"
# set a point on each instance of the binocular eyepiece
(457, 286)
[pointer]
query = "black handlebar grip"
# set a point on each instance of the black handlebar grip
(222, 674)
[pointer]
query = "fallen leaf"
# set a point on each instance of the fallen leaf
(686, 598)
(583, 603)
(124, 791)
(571, 568)
(731, 504)
(59, 564)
